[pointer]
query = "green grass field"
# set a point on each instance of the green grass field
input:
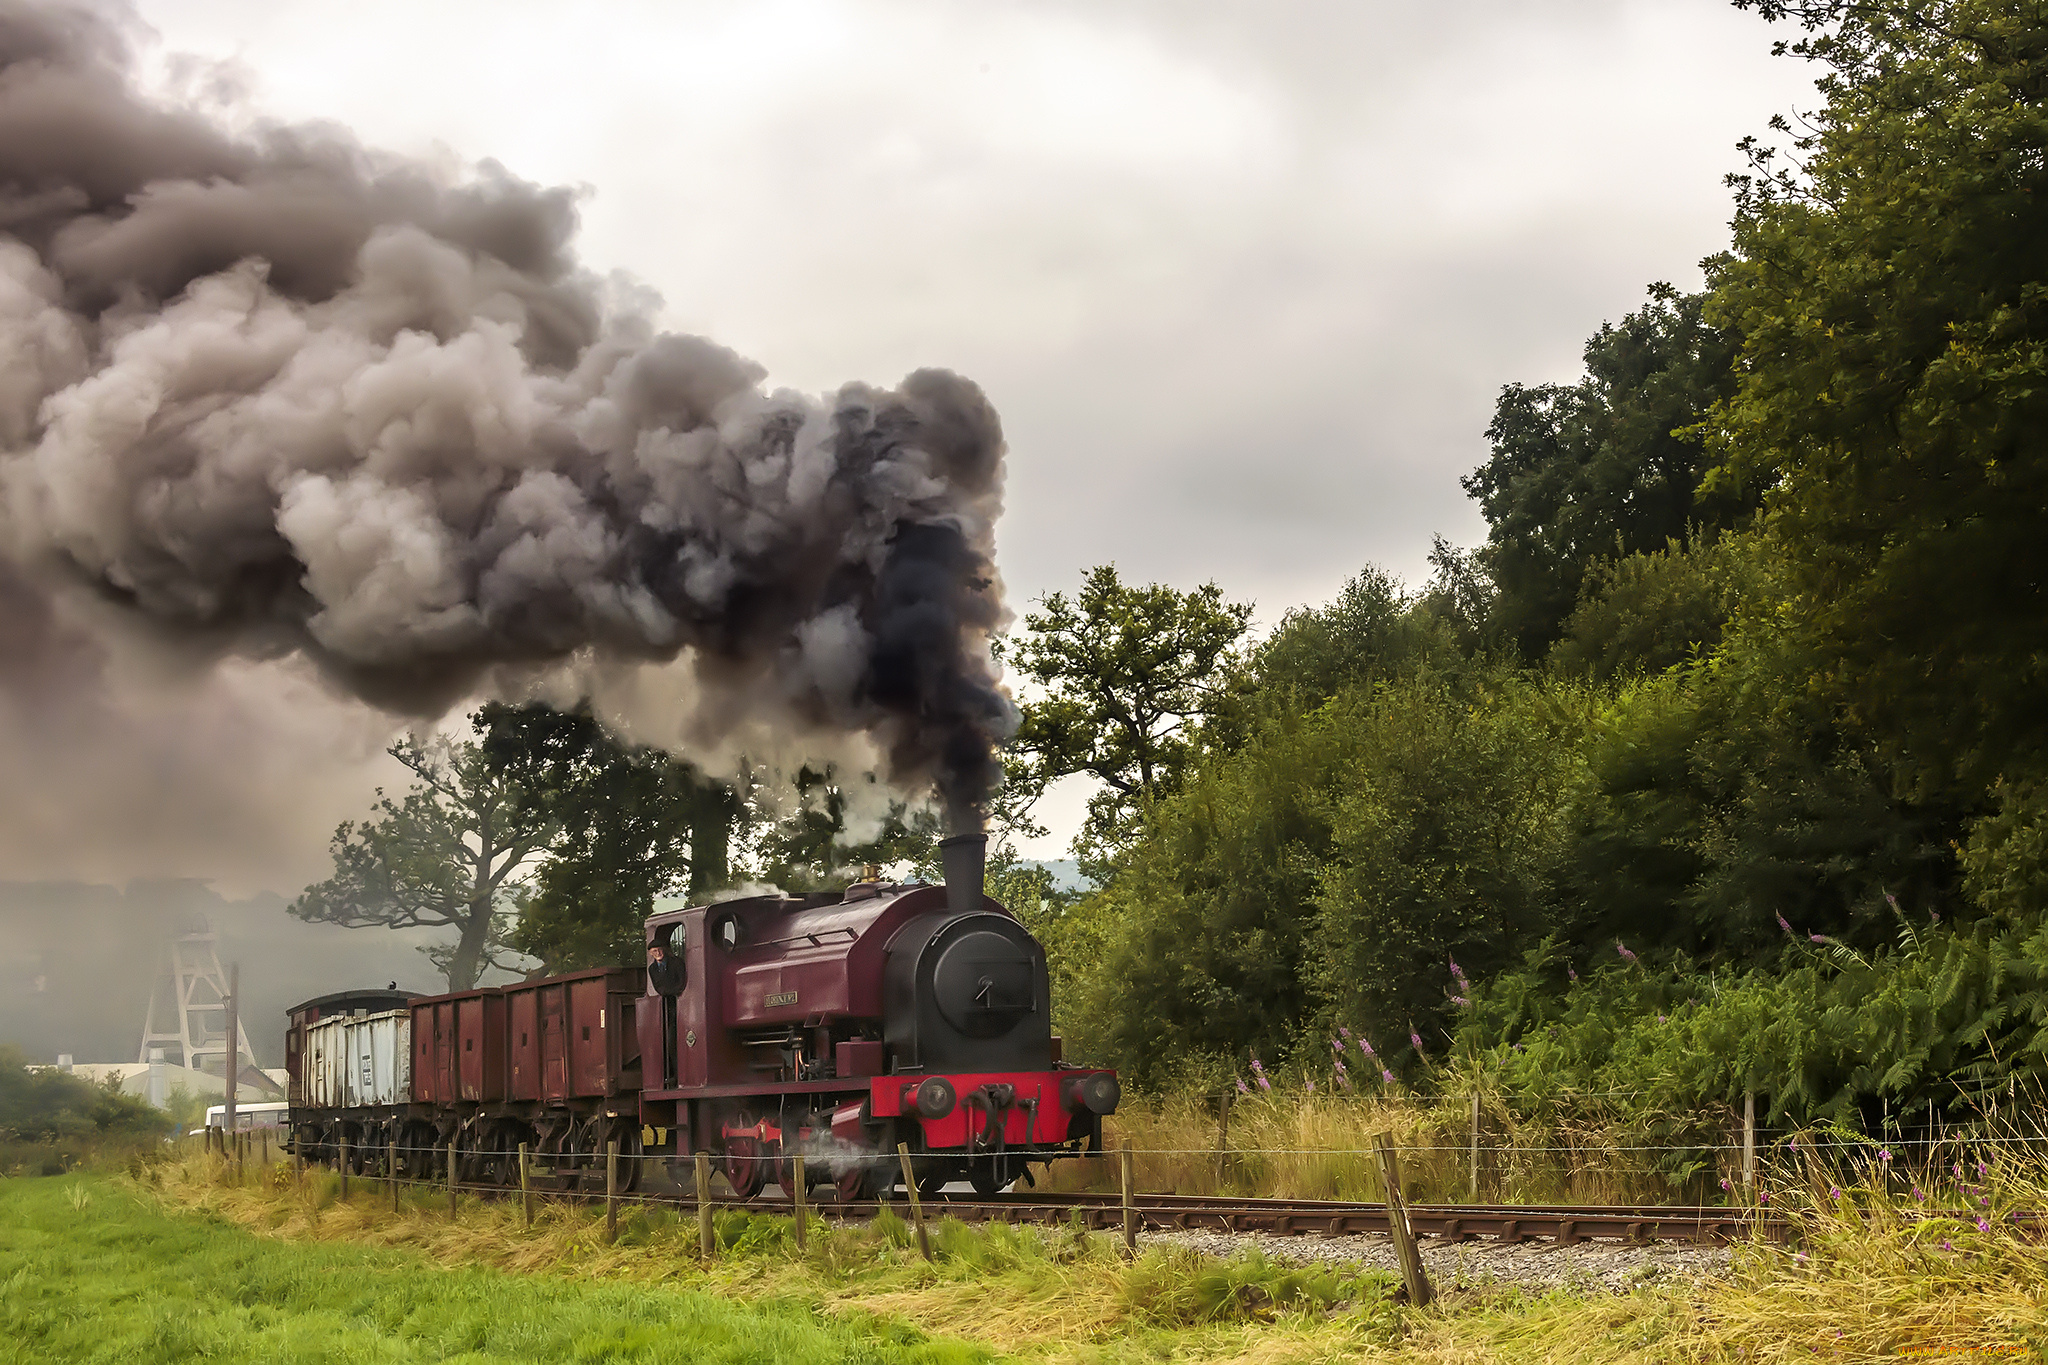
(92, 1272)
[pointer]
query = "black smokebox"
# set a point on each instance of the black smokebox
(965, 857)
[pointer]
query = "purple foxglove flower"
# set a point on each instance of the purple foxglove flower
(1340, 1066)
(1884, 1154)
(1935, 916)
(1724, 1184)
(1344, 1080)
(1416, 1039)
(1917, 1196)
(1784, 923)
(1980, 1168)
(1242, 1088)
(1386, 1076)
(1834, 1192)
(1818, 938)
(1660, 1018)
(1460, 1001)
(1311, 1087)
(1365, 1046)
(1258, 1066)
(1763, 1196)
(1264, 1084)
(1336, 1045)
(1983, 1225)
(1572, 972)
(1626, 955)
(1344, 1031)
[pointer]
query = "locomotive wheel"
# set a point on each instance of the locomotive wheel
(989, 1175)
(746, 1169)
(861, 1183)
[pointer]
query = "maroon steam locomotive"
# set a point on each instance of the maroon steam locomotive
(835, 1025)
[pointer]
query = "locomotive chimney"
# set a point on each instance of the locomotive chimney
(966, 860)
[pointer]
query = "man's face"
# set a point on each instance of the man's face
(657, 952)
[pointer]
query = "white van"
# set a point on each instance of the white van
(248, 1117)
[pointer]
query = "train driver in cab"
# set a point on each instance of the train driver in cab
(664, 973)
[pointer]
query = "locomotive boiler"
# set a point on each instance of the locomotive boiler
(835, 1025)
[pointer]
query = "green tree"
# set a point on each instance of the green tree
(1603, 468)
(1126, 674)
(445, 855)
(628, 824)
(807, 841)
(43, 1104)
(1888, 283)
(1649, 612)
(1325, 869)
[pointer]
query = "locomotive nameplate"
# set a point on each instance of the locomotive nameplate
(779, 998)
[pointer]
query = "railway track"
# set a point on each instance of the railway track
(1445, 1224)
(1562, 1225)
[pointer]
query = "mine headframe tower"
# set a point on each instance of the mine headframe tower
(187, 1008)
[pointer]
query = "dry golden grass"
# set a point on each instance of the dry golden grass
(1056, 1295)
(1318, 1146)
(1882, 1270)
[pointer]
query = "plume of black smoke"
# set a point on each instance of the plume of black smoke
(274, 393)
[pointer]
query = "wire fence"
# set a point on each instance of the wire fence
(565, 1172)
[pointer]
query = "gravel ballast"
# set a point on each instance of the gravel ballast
(1612, 1267)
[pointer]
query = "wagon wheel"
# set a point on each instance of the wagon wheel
(582, 1149)
(746, 1169)
(497, 1160)
(630, 1164)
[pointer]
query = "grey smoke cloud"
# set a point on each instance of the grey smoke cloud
(271, 393)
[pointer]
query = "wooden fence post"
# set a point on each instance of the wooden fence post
(525, 1189)
(611, 1190)
(1223, 1140)
(1397, 1222)
(1749, 1139)
(344, 1168)
(924, 1240)
(451, 1177)
(797, 1193)
(1130, 1207)
(264, 1159)
(391, 1170)
(1475, 1146)
(707, 1240)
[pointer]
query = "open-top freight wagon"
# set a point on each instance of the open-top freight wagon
(834, 1025)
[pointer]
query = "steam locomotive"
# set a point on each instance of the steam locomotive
(835, 1026)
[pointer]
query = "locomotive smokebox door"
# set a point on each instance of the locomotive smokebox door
(983, 984)
(966, 992)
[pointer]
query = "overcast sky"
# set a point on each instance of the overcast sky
(1243, 279)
